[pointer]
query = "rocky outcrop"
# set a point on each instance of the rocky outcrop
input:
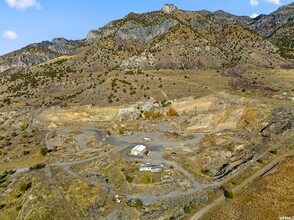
(280, 121)
(105, 31)
(136, 33)
(61, 46)
(169, 8)
(26, 57)
(134, 28)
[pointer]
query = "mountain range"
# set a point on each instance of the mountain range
(172, 38)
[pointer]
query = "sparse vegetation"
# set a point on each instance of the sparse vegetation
(37, 166)
(188, 209)
(147, 180)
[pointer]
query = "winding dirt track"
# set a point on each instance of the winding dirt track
(158, 142)
(120, 143)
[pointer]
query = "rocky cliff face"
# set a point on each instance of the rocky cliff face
(105, 31)
(133, 32)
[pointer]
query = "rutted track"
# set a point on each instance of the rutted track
(200, 213)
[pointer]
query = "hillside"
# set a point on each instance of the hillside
(283, 37)
(37, 53)
(266, 25)
(216, 39)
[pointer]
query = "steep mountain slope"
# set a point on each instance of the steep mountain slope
(284, 38)
(266, 25)
(35, 54)
(172, 38)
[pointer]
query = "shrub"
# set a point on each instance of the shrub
(44, 151)
(15, 195)
(205, 171)
(37, 166)
(139, 204)
(172, 112)
(156, 115)
(26, 152)
(129, 179)
(147, 115)
(18, 208)
(13, 134)
(187, 209)
(24, 186)
(275, 151)
(10, 172)
(229, 194)
(24, 127)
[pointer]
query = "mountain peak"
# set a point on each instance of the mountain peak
(59, 40)
(169, 8)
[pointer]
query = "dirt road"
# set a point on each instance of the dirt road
(200, 213)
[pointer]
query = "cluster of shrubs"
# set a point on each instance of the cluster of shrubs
(38, 166)
(4, 175)
(152, 115)
(155, 115)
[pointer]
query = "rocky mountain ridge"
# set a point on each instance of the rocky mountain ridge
(217, 39)
(37, 53)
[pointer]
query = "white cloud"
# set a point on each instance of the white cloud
(9, 35)
(254, 2)
(254, 15)
(23, 4)
(276, 2)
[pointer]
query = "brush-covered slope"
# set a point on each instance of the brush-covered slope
(171, 39)
(284, 38)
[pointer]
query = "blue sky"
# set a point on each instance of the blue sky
(28, 21)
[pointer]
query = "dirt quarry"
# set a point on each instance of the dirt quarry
(209, 114)
(76, 115)
(229, 124)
